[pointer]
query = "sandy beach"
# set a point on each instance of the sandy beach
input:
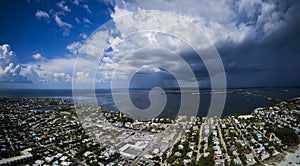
(291, 158)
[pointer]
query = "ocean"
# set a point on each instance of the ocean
(238, 101)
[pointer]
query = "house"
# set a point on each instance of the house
(64, 163)
(250, 159)
(214, 133)
(189, 154)
(177, 154)
(223, 126)
(235, 153)
(87, 153)
(186, 161)
(63, 158)
(48, 159)
(39, 162)
(180, 147)
(260, 149)
(265, 155)
(237, 161)
(155, 151)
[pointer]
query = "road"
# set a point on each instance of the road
(156, 141)
(8, 139)
(199, 142)
(246, 142)
(63, 152)
(170, 151)
(147, 149)
(222, 141)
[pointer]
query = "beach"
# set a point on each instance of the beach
(291, 158)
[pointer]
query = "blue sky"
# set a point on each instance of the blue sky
(40, 41)
(28, 31)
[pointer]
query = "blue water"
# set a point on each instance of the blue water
(236, 102)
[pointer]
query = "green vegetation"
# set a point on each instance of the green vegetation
(287, 136)
(209, 160)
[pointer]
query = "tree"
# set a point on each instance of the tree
(209, 160)
(287, 136)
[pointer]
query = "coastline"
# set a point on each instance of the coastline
(233, 126)
(291, 158)
(285, 158)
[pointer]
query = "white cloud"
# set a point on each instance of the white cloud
(221, 20)
(107, 60)
(77, 20)
(119, 12)
(42, 15)
(74, 47)
(63, 7)
(38, 56)
(83, 77)
(92, 45)
(62, 77)
(9, 67)
(84, 20)
(249, 7)
(76, 2)
(122, 45)
(87, 8)
(270, 19)
(42, 73)
(53, 72)
(61, 23)
(64, 25)
(83, 35)
(87, 21)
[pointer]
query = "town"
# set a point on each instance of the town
(52, 131)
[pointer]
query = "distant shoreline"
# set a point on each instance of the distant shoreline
(291, 157)
(241, 101)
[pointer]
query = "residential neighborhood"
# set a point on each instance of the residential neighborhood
(51, 131)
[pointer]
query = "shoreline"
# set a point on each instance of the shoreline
(288, 157)
(291, 158)
(60, 118)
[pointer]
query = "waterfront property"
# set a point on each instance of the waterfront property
(51, 132)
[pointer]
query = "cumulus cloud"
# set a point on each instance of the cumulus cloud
(122, 46)
(57, 72)
(38, 56)
(41, 72)
(83, 35)
(87, 21)
(9, 67)
(50, 73)
(42, 15)
(74, 47)
(83, 77)
(64, 25)
(233, 26)
(237, 28)
(63, 7)
(76, 2)
(87, 8)
(77, 20)
(61, 77)
(222, 21)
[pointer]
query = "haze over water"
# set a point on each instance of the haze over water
(237, 101)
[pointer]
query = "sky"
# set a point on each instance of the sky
(41, 41)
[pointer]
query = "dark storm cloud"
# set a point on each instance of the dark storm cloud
(233, 68)
(258, 41)
(272, 61)
(145, 79)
